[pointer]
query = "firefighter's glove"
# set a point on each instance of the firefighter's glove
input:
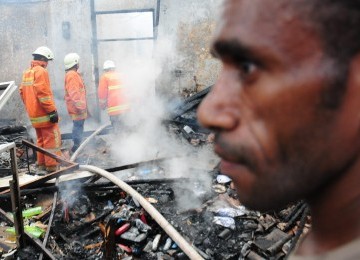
(54, 117)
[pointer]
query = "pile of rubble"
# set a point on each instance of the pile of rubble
(103, 221)
(95, 219)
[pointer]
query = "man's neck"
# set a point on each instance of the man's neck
(335, 215)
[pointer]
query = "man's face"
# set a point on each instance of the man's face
(277, 140)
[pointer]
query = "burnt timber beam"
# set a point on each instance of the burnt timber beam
(133, 165)
(45, 178)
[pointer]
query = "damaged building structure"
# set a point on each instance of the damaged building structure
(153, 191)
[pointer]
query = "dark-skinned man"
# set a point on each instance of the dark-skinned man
(285, 111)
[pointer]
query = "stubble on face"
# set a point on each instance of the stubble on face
(292, 112)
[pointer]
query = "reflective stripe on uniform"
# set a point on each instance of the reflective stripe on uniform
(27, 82)
(41, 119)
(79, 116)
(118, 108)
(28, 78)
(79, 103)
(115, 87)
(44, 99)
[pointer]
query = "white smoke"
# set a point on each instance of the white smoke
(147, 137)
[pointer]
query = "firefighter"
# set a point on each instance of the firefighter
(111, 94)
(75, 97)
(36, 93)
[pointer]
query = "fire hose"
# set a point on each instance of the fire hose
(166, 226)
(83, 144)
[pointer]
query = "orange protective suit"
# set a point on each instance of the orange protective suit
(111, 94)
(75, 96)
(39, 101)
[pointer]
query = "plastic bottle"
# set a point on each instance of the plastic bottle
(28, 213)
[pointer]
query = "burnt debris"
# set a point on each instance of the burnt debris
(91, 218)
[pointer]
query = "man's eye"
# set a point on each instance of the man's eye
(247, 68)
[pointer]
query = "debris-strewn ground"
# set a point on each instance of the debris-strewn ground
(97, 220)
(220, 228)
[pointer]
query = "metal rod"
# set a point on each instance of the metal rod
(17, 213)
(15, 200)
(126, 11)
(47, 234)
(126, 39)
(39, 149)
(27, 158)
(95, 53)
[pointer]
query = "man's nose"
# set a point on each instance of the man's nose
(215, 111)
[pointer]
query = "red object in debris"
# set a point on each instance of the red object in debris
(66, 212)
(122, 194)
(125, 248)
(143, 219)
(122, 229)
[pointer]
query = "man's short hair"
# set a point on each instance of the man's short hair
(39, 57)
(338, 25)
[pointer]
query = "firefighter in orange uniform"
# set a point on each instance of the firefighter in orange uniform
(75, 97)
(39, 102)
(111, 94)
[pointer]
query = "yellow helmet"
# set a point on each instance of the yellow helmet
(71, 60)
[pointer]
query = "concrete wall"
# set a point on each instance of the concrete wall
(31, 24)
(181, 50)
(189, 26)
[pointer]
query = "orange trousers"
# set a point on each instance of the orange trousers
(48, 138)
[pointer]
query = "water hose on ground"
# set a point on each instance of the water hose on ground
(83, 144)
(166, 226)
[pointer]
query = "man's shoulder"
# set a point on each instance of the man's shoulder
(38, 68)
(72, 74)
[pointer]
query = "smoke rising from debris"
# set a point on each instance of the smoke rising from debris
(145, 137)
(139, 62)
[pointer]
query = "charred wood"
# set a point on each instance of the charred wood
(86, 224)
(190, 103)
(295, 217)
(31, 191)
(11, 129)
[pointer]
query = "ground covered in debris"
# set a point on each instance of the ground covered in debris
(220, 228)
(95, 219)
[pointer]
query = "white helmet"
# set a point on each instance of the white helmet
(45, 52)
(109, 64)
(71, 60)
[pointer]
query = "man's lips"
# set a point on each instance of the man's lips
(221, 152)
(227, 167)
(229, 164)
